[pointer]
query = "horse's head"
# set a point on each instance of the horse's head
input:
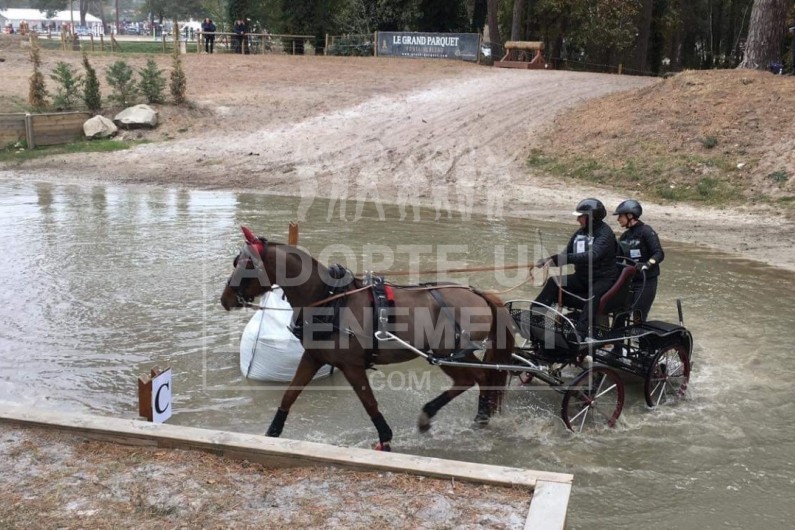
(249, 279)
(261, 264)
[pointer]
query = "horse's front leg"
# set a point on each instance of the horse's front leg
(306, 370)
(463, 380)
(357, 377)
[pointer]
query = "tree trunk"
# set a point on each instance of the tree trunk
(765, 34)
(644, 30)
(516, 21)
(494, 29)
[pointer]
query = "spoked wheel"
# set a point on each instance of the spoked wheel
(594, 399)
(667, 377)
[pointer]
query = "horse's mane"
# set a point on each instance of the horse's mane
(298, 251)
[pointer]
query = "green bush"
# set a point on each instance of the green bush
(92, 96)
(120, 78)
(152, 82)
(69, 85)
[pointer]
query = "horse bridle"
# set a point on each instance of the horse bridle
(249, 255)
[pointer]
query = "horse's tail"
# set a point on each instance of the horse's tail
(501, 348)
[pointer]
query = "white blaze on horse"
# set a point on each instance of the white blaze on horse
(340, 316)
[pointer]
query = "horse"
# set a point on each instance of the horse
(347, 342)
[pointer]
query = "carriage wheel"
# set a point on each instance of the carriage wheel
(594, 399)
(667, 377)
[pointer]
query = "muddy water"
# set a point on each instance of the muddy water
(101, 283)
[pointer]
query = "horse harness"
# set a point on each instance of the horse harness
(342, 284)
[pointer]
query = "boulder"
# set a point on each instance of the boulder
(99, 127)
(139, 116)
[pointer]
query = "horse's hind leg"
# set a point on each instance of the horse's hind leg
(306, 370)
(357, 377)
(463, 380)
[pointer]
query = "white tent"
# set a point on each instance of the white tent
(38, 21)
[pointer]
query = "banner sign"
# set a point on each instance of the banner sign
(431, 45)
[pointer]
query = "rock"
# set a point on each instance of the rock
(99, 127)
(139, 116)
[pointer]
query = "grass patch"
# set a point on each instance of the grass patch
(12, 154)
(143, 47)
(779, 177)
(675, 178)
(709, 142)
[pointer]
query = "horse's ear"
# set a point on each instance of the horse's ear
(250, 237)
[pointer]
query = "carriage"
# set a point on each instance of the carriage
(658, 352)
(362, 332)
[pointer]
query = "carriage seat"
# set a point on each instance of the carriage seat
(617, 298)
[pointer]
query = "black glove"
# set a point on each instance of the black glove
(641, 267)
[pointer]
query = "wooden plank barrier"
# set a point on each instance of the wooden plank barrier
(550, 491)
(12, 129)
(523, 54)
(56, 128)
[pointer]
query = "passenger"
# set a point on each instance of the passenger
(208, 29)
(592, 251)
(640, 243)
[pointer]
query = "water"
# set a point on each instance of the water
(101, 283)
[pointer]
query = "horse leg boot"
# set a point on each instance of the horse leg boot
(306, 370)
(484, 410)
(357, 377)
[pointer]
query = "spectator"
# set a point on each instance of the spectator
(239, 29)
(208, 29)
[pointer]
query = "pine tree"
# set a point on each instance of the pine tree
(37, 93)
(765, 33)
(69, 85)
(92, 96)
(179, 83)
(120, 77)
(152, 82)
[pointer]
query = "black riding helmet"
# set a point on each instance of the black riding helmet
(592, 207)
(629, 206)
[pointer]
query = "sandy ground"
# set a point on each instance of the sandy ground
(59, 480)
(400, 131)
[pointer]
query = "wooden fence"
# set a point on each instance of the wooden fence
(42, 129)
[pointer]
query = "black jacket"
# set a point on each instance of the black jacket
(598, 247)
(642, 244)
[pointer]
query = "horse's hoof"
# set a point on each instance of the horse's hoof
(424, 422)
(481, 421)
(383, 446)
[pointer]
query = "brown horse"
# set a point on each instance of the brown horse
(466, 320)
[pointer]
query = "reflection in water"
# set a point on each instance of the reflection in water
(102, 283)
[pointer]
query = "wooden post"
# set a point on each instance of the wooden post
(145, 389)
(292, 237)
(620, 68)
(325, 50)
(375, 44)
(29, 138)
(92, 43)
(102, 42)
(293, 46)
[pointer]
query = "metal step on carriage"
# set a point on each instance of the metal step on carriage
(658, 352)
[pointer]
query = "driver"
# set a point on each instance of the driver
(640, 243)
(592, 251)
